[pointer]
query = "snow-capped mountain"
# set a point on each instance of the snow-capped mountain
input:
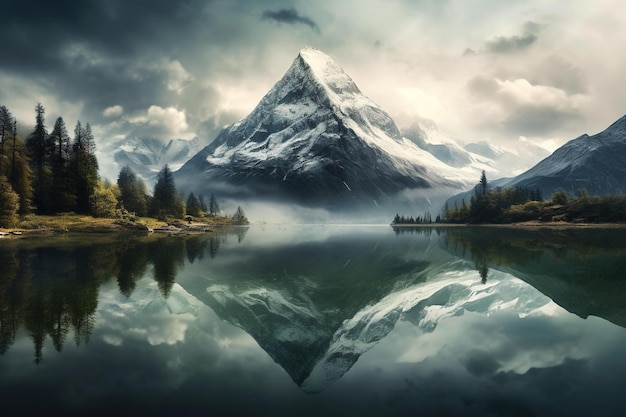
(147, 156)
(316, 139)
(596, 163)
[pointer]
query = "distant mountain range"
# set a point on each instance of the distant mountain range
(595, 163)
(471, 159)
(147, 156)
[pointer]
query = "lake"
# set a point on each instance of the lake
(316, 320)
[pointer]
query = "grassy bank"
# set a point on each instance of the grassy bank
(79, 223)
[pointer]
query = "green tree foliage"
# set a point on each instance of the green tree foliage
(132, 192)
(165, 199)
(560, 197)
(85, 166)
(519, 204)
(64, 175)
(425, 219)
(14, 163)
(103, 201)
(60, 152)
(9, 204)
(36, 144)
(6, 127)
(193, 206)
(483, 185)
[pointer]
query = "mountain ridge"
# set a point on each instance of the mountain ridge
(596, 163)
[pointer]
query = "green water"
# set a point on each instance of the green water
(310, 320)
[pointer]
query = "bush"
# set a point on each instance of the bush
(9, 204)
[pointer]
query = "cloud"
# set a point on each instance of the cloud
(519, 107)
(511, 44)
(161, 123)
(291, 17)
(178, 77)
(113, 111)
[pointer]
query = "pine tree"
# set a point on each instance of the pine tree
(63, 198)
(132, 192)
(85, 167)
(15, 165)
(165, 199)
(483, 184)
(36, 144)
(193, 206)
(6, 127)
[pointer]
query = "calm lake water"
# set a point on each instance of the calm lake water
(316, 320)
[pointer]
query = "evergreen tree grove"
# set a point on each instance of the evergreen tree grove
(14, 163)
(85, 167)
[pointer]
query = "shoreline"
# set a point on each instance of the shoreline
(533, 224)
(70, 224)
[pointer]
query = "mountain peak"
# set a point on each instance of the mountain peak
(326, 71)
(618, 126)
(315, 138)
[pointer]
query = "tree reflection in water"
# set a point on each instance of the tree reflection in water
(50, 286)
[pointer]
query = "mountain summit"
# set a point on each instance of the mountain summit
(315, 139)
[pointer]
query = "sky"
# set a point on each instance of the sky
(506, 72)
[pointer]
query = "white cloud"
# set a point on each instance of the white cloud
(113, 111)
(517, 106)
(178, 77)
(161, 123)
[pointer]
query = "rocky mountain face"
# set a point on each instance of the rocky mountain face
(316, 139)
(596, 163)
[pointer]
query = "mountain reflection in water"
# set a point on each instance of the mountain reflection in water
(315, 299)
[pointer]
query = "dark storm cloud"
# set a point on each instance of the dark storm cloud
(291, 17)
(101, 53)
(503, 44)
(515, 43)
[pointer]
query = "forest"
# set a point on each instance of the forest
(51, 173)
(514, 205)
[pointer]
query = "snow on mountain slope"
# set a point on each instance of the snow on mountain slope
(146, 156)
(473, 158)
(315, 138)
